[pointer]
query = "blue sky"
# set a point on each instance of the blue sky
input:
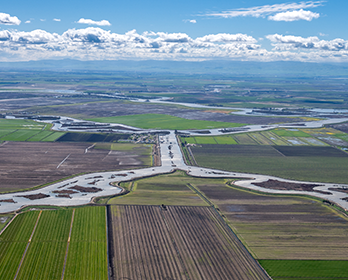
(174, 30)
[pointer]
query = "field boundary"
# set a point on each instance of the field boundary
(9, 222)
(26, 248)
(68, 243)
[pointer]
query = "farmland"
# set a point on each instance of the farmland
(45, 256)
(300, 269)
(157, 121)
(175, 244)
(26, 130)
(169, 189)
(47, 245)
(87, 255)
(279, 137)
(316, 164)
(17, 170)
(279, 226)
(13, 242)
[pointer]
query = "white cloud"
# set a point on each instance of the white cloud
(266, 10)
(94, 43)
(8, 20)
(93, 22)
(281, 42)
(294, 15)
(28, 21)
(190, 20)
(224, 37)
(41, 19)
(56, 19)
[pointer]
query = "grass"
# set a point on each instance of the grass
(4, 220)
(26, 130)
(20, 124)
(290, 132)
(120, 146)
(87, 257)
(305, 269)
(45, 256)
(312, 168)
(170, 189)
(279, 137)
(158, 121)
(13, 242)
(20, 135)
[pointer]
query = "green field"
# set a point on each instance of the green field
(157, 121)
(45, 256)
(26, 130)
(13, 242)
(267, 160)
(169, 189)
(279, 136)
(305, 269)
(20, 124)
(87, 256)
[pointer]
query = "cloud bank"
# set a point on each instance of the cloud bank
(8, 20)
(93, 22)
(94, 43)
(276, 12)
(294, 15)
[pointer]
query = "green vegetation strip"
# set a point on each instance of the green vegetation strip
(316, 164)
(158, 121)
(87, 255)
(305, 269)
(168, 189)
(13, 242)
(45, 256)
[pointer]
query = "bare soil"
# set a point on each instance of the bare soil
(28, 164)
(86, 189)
(35, 196)
(7, 200)
(339, 190)
(172, 242)
(278, 185)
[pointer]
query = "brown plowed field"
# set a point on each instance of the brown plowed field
(24, 165)
(148, 242)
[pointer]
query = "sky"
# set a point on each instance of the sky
(191, 30)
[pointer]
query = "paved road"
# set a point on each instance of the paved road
(172, 159)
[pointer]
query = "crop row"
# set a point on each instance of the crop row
(44, 259)
(207, 246)
(87, 255)
(150, 242)
(279, 137)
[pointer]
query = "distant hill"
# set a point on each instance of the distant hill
(185, 67)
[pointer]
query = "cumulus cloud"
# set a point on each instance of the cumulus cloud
(94, 43)
(8, 20)
(289, 42)
(93, 22)
(190, 20)
(292, 11)
(224, 37)
(56, 19)
(28, 21)
(294, 15)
